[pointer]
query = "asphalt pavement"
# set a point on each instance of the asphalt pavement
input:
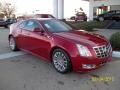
(106, 32)
(22, 71)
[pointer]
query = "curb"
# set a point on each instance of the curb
(116, 54)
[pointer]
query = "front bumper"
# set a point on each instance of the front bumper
(83, 64)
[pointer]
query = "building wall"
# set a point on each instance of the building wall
(115, 7)
(106, 3)
(94, 6)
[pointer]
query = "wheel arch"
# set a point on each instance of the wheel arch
(9, 36)
(57, 47)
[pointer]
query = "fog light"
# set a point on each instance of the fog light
(88, 66)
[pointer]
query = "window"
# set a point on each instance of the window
(56, 26)
(22, 25)
(118, 12)
(31, 24)
(50, 16)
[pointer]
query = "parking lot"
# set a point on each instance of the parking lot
(22, 71)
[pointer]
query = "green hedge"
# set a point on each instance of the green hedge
(115, 40)
(89, 26)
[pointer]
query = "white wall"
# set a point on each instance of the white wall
(115, 7)
(106, 2)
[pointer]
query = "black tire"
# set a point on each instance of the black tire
(117, 20)
(59, 56)
(76, 20)
(12, 44)
(85, 20)
(6, 26)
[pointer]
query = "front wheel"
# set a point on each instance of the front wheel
(12, 44)
(6, 26)
(61, 61)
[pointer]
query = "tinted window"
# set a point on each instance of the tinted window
(111, 12)
(50, 16)
(22, 25)
(31, 24)
(56, 26)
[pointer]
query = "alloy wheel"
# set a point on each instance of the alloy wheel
(60, 61)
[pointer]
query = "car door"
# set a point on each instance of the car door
(19, 36)
(26, 33)
(36, 42)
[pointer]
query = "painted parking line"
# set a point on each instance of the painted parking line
(11, 54)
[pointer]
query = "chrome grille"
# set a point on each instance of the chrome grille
(103, 51)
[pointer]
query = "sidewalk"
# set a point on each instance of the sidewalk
(107, 33)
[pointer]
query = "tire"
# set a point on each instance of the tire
(101, 19)
(6, 26)
(12, 44)
(85, 20)
(76, 20)
(61, 61)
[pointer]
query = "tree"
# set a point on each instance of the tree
(81, 9)
(7, 9)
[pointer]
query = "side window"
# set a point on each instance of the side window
(50, 16)
(109, 14)
(22, 25)
(31, 24)
(37, 25)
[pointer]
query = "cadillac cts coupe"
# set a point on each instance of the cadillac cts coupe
(60, 44)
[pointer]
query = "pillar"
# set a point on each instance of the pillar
(55, 8)
(60, 9)
(91, 6)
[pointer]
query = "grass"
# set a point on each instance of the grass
(89, 26)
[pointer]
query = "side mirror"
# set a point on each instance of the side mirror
(38, 30)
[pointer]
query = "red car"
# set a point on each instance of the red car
(80, 16)
(60, 44)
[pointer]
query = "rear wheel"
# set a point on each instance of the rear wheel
(12, 44)
(76, 20)
(61, 61)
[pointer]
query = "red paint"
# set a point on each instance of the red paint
(42, 44)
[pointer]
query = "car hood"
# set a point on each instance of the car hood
(83, 37)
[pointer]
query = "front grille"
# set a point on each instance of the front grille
(103, 51)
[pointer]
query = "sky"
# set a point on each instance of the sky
(46, 6)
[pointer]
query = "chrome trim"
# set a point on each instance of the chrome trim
(103, 50)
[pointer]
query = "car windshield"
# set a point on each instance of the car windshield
(57, 26)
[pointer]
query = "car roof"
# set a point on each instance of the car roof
(41, 19)
(43, 14)
(38, 19)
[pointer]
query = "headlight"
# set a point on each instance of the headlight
(83, 50)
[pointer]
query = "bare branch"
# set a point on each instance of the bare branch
(7, 9)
